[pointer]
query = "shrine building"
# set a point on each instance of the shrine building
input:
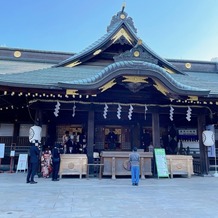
(117, 92)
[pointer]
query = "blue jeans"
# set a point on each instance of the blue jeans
(135, 174)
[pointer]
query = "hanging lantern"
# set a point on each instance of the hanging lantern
(35, 134)
(208, 138)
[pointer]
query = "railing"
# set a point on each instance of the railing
(213, 162)
(21, 145)
(6, 140)
(189, 151)
(196, 165)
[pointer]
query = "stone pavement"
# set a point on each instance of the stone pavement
(73, 197)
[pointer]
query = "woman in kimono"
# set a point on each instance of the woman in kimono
(46, 163)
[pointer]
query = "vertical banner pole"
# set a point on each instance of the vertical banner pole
(1, 171)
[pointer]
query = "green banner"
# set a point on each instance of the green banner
(161, 162)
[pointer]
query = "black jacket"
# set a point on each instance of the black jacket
(55, 153)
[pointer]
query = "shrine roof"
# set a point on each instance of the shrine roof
(49, 76)
(89, 70)
(120, 31)
(11, 67)
(81, 76)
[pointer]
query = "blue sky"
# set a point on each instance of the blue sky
(175, 29)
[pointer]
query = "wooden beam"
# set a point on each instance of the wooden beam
(90, 135)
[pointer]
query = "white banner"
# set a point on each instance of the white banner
(211, 149)
(2, 150)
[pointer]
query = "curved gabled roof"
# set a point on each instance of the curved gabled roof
(97, 45)
(136, 68)
(120, 22)
(92, 77)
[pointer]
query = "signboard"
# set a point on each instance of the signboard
(161, 162)
(12, 153)
(2, 150)
(22, 162)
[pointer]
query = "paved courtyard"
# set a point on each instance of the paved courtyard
(74, 197)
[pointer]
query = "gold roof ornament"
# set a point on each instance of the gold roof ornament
(122, 32)
(193, 98)
(97, 52)
(136, 53)
(122, 14)
(72, 92)
(135, 79)
(139, 42)
(188, 65)
(168, 70)
(17, 54)
(160, 88)
(107, 85)
(74, 64)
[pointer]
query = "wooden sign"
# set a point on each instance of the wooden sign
(22, 162)
(161, 162)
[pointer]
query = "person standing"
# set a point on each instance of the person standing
(46, 167)
(112, 139)
(65, 139)
(134, 159)
(34, 162)
(56, 161)
(146, 140)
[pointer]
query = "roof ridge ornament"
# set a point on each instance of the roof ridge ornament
(137, 53)
(123, 6)
(121, 16)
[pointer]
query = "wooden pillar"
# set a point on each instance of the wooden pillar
(90, 135)
(203, 149)
(16, 133)
(155, 130)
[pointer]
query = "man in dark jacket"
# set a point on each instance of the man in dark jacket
(56, 151)
(34, 162)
